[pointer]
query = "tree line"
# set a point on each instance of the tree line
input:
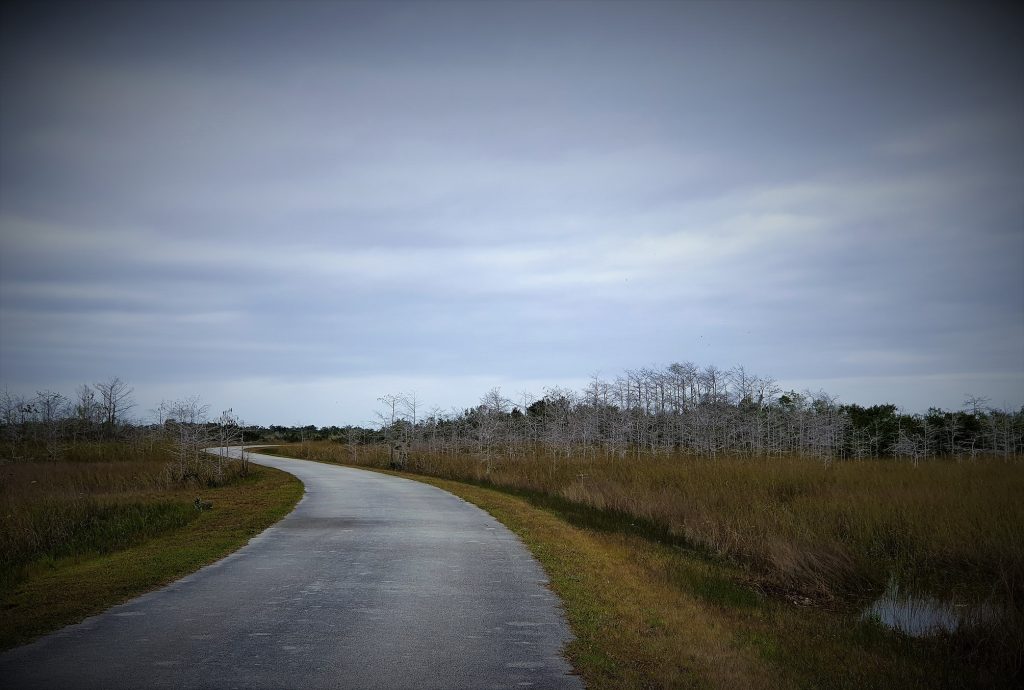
(49, 421)
(52, 426)
(702, 411)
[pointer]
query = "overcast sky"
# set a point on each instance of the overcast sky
(292, 209)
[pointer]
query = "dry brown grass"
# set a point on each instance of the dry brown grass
(650, 615)
(823, 530)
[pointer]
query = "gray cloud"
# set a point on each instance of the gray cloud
(271, 199)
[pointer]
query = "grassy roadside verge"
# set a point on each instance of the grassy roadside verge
(648, 614)
(54, 592)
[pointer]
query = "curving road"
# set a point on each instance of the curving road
(371, 582)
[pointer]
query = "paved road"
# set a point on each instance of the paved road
(372, 582)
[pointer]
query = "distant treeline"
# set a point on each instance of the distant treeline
(682, 408)
(47, 423)
(94, 425)
(701, 411)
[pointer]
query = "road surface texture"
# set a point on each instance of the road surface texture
(371, 582)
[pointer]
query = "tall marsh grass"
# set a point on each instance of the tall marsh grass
(840, 529)
(100, 497)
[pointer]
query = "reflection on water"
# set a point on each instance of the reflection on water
(920, 616)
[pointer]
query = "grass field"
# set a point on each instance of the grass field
(676, 591)
(800, 525)
(103, 525)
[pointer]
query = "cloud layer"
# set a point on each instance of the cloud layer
(279, 205)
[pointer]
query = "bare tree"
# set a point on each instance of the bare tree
(53, 410)
(115, 401)
(390, 420)
(11, 406)
(411, 406)
(229, 433)
(185, 424)
(492, 424)
(88, 412)
(701, 411)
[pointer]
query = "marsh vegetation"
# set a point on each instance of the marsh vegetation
(95, 508)
(803, 499)
(799, 525)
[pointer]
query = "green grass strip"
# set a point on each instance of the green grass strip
(54, 592)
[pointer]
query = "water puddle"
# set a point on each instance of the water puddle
(920, 616)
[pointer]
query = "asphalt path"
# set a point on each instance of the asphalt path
(371, 582)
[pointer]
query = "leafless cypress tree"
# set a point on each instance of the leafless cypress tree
(115, 401)
(185, 425)
(707, 412)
